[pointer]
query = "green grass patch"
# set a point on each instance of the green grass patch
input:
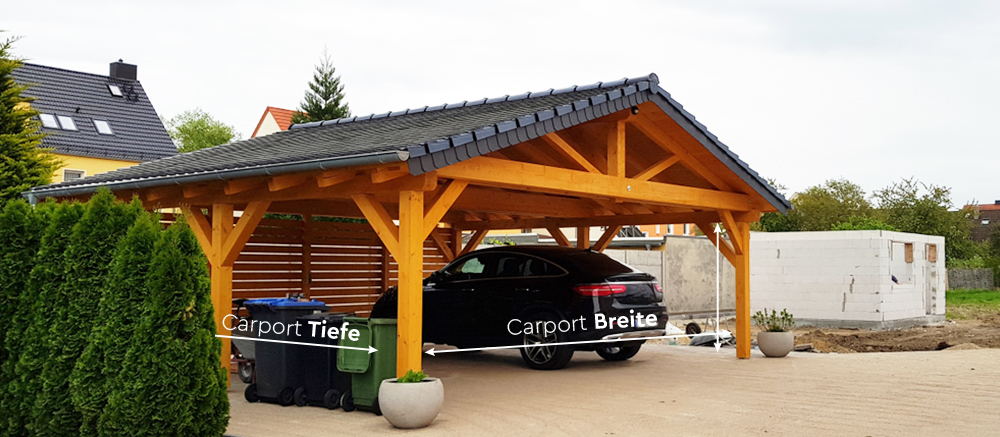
(972, 304)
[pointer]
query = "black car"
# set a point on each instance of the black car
(539, 295)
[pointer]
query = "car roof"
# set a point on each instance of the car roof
(554, 253)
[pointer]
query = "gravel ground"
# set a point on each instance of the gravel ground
(682, 390)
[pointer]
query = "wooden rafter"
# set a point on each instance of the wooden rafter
(733, 231)
(237, 186)
(442, 245)
(192, 191)
(662, 139)
(533, 177)
(559, 236)
(724, 247)
(284, 182)
(334, 177)
(437, 208)
(200, 226)
(560, 145)
(380, 220)
(386, 174)
(477, 238)
(252, 215)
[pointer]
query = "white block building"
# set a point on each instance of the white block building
(844, 278)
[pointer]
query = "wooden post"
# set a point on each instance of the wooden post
(583, 237)
(307, 255)
(222, 275)
(410, 257)
(742, 264)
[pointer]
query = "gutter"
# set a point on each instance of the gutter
(39, 193)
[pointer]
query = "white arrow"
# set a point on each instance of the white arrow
(718, 294)
(432, 352)
(369, 349)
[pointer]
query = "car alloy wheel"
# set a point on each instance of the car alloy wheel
(542, 355)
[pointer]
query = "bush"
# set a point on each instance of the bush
(856, 223)
(21, 229)
(773, 321)
(175, 385)
(39, 312)
(120, 309)
(88, 259)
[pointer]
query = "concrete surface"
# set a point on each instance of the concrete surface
(682, 390)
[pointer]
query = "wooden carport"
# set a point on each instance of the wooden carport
(608, 154)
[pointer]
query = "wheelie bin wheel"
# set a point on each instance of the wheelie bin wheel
(251, 393)
(286, 397)
(347, 402)
(300, 397)
(331, 399)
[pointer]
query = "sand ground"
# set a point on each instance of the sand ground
(682, 390)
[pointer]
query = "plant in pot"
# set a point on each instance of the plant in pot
(412, 401)
(775, 338)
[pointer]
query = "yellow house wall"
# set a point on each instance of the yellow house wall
(89, 165)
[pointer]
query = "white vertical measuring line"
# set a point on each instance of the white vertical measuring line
(718, 293)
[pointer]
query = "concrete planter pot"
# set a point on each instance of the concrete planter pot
(411, 405)
(775, 344)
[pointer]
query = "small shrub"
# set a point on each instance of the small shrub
(773, 321)
(412, 376)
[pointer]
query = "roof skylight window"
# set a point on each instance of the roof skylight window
(49, 120)
(115, 91)
(103, 127)
(67, 123)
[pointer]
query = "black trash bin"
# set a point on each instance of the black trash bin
(323, 384)
(278, 375)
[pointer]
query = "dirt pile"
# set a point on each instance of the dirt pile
(983, 333)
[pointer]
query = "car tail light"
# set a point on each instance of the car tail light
(599, 289)
(658, 287)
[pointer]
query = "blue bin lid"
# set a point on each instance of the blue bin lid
(286, 302)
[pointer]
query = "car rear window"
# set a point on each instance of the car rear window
(597, 264)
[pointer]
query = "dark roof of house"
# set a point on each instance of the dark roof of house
(138, 134)
(427, 138)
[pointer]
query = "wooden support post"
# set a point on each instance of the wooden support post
(307, 255)
(222, 275)
(583, 237)
(456, 240)
(616, 150)
(410, 256)
(742, 265)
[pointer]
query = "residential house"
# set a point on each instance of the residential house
(95, 123)
(989, 216)
(273, 120)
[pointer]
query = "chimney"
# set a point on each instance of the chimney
(121, 70)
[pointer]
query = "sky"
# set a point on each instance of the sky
(803, 91)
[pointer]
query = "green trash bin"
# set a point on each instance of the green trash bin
(367, 370)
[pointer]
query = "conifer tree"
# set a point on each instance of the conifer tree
(175, 385)
(88, 258)
(324, 99)
(22, 163)
(119, 312)
(37, 313)
(21, 229)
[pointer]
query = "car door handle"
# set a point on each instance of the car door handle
(523, 290)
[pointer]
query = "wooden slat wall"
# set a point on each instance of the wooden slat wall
(346, 268)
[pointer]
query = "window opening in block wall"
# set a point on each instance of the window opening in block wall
(901, 262)
(932, 253)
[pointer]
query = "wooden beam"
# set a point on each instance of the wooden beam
(644, 219)
(437, 209)
(532, 177)
(410, 293)
(252, 215)
(657, 168)
(202, 229)
(724, 248)
(742, 265)
(560, 145)
(334, 177)
(662, 139)
(237, 186)
(481, 199)
(380, 220)
(160, 193)
(603, 242)
(733, 231)
(456, 240)
(583, 237)
(221, 279)
(284, 182)
(442, 245)
(386, 174)
(474, 242)
(559, 236)
(191, 191)
(616, 150)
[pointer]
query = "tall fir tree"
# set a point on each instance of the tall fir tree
(88, 258)
(119, 312)
(324, 99)
(21, 229)
(37, 313)
(175, 384)
(23, 164)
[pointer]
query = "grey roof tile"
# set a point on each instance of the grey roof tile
(138, 133)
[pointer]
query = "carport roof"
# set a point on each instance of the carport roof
(428, 138)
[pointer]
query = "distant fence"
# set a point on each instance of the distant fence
(970, 278)
(344, 265)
